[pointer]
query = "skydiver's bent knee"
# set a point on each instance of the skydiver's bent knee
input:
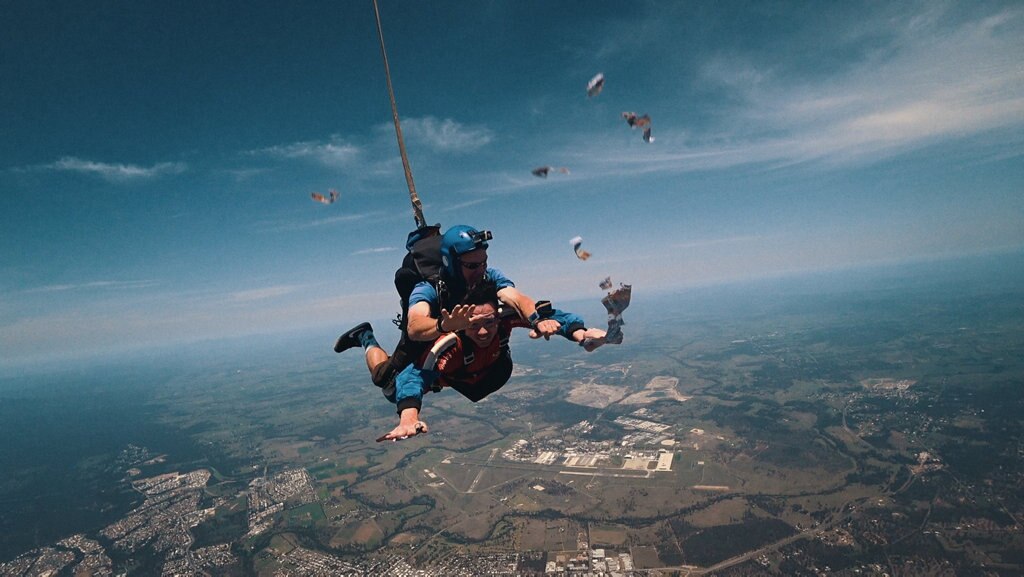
(384, 374)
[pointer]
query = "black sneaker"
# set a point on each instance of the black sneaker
(351, 337)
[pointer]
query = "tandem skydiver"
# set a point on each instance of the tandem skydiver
(475, 361)
(435, 308)
(432, 307)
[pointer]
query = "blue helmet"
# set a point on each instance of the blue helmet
(457, 241)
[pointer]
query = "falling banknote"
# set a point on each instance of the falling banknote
(615, 302)
(577, 245)
(325, 199)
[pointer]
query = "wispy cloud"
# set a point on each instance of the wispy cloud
(375, 250)
(96, 285)
(333, 152)
(115, 172)
(246, 174)
(462, 205)
(715, 241)
(445, 135)
(930, 82)
(338, 219)
(320, 222)
(933, 84)
(264, 293)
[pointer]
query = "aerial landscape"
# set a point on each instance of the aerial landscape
(812, 212)
(863, 429)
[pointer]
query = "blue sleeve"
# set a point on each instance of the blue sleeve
(499, 278)
(570, 323)
(423, 292)
(410, 384)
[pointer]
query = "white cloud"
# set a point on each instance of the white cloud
(931, 83)
(269, 226)
(101, 284)
(462, 205)
(446, 135)
(264, 293)
(714, 241)
(247, 174)
(936, 84)
(116, 172)
(334, 152)
(375, 250)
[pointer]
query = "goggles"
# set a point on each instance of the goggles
(474, 265)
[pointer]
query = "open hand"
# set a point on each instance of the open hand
(404, 431)
(457, 320)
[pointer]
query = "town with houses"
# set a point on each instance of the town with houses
(172, 507)
(161, 528)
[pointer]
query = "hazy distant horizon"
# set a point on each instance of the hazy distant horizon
(981, 273)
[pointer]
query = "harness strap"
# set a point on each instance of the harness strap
(443, 344)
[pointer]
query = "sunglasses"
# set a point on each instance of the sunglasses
(474, 265)
(484, 322)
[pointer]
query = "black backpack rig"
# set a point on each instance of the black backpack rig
(422, 262)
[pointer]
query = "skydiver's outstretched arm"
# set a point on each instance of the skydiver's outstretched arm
(410, 385)
(570, 326)
(589, 339)
(409, 425)
(526, 307)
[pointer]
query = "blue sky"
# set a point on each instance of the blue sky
(157, 159)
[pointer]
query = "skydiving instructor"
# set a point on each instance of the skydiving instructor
(464, 265)
(435, 308)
